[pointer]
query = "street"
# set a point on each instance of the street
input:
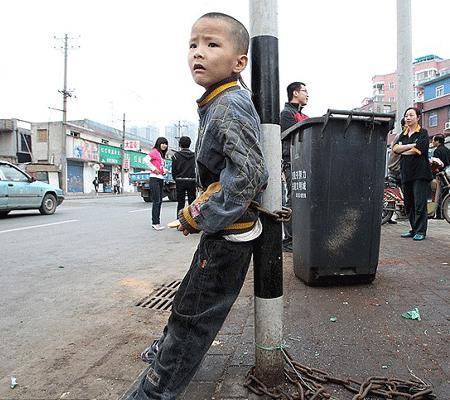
(71, 328)
(69, 285)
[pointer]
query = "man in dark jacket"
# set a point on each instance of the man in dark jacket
(291, 114)
(440, 150)
(183, 171)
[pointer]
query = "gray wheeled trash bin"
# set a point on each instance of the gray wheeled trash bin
(338, 164)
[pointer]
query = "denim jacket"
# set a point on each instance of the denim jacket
(228, 151)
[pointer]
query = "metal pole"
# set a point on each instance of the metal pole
(123, 154)
(64, 111)
(268, 266)
(405, 84)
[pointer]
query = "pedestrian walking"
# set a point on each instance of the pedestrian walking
(156, 164)
(183, 171)
(95, 182)
(415, 173)
(292, 113)
(231, 170)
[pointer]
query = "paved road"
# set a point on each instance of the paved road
(68, 285)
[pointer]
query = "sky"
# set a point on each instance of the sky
(131, 56)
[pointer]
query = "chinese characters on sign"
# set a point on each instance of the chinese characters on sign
(134, 145)
(299, 184)
(126, 162)
(110, 155)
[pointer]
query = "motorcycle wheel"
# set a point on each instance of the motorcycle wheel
(445, 208)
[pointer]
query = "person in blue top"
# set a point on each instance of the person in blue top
(415, 173)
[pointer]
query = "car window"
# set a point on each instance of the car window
(12, 174)
(2, 177)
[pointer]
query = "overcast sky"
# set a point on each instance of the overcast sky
(132, 55)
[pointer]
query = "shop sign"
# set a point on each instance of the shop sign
(110, 155)
(126, 162)
(85, 150)
(134, 145)
(137, 159)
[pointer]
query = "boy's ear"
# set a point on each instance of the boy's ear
(241, 63)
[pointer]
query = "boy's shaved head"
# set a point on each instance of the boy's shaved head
(239, 33)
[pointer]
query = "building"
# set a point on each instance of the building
(15, 141)
(148, 132)
(88, 149)
(174, 131)
(436, 105)
(384, 95)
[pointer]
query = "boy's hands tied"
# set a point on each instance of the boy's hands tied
(187, 222)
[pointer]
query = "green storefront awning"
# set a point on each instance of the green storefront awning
(110, 155)
(113, 155)
(137, 159)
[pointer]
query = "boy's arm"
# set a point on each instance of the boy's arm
(242, 179)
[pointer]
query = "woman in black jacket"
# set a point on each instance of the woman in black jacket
(415, 172)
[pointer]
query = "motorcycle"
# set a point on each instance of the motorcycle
(439, 206)
(392, 200)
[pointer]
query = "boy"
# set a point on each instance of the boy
(183, 171)
(231, 170)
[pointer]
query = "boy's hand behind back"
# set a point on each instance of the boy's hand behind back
(183, 229)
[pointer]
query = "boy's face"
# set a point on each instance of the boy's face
(212, 54)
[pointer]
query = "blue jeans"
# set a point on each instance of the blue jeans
(200, 306)
(156, 190)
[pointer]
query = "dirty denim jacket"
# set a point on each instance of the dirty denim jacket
(228, 151)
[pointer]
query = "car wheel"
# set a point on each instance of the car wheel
(3, 214)
(48, 205)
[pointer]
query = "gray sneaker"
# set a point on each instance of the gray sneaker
(149, 354)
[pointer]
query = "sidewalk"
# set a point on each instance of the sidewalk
(369, 337)
(92, 195)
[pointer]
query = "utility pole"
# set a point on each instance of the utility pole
(179, 126)
(268, 264)
(122, 175)
(65, 94)
(405, 84)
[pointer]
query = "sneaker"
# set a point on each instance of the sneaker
(149, 354)
(407, 235)
(418, 236)
(157, 227)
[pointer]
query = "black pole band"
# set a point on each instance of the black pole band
(267, 260)
(265, 81)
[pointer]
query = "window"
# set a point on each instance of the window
(41, 176)
(386, 108)
(391, 85)
(42, 135)
(25, 143)
(391, 99)
(74, 134)
(440, 91)
(12, 174)
(433, 120)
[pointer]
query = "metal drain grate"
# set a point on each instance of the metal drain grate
(161, 298)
